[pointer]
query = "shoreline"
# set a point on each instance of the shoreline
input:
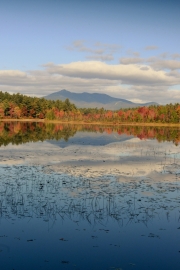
(92, 123)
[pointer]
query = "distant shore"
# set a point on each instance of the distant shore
(93, 123)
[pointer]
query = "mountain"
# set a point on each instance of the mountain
(87, 100)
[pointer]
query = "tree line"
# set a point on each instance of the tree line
(21, 106)
(17, 106)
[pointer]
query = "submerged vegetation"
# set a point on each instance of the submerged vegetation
(19, 106)
(100, 208)
(103, 196)
(23, 132)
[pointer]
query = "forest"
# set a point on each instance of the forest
(18, 106)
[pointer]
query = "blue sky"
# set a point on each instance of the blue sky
(128, 49)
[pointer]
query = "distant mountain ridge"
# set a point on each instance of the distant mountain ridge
(87, 100)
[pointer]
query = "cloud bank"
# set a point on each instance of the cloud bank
(133, 79)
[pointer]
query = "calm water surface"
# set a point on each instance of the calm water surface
(89, 198)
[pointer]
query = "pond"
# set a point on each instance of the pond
(89, 197)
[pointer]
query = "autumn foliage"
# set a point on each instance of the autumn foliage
(22, 132)
(18, 106)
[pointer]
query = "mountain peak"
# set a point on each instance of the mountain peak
(93, 100)
(63, 91)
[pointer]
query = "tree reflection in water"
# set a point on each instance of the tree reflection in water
(89, 205)
(23, 132)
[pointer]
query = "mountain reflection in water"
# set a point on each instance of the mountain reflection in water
(97, 201)
(23, 132)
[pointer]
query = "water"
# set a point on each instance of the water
(92, 201)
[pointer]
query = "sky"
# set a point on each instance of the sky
(125, 48)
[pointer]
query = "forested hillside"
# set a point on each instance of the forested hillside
(19, 106)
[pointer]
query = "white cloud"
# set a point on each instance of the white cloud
(126, 74)
(109, 47)
(12, 73)
(151, 48)
(128, 60)
(133, 81)
(137, 100)
(164, 64)
(158, 63)
(105, 57)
